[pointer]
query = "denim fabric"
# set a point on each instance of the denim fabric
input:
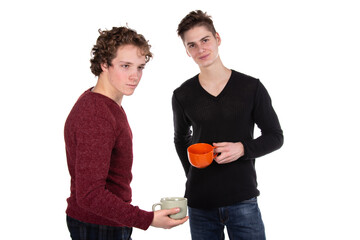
(87, 231)
(243, 222)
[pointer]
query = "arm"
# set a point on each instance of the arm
(271, 137)
(94, 143)
(264, 116)
(182, 133)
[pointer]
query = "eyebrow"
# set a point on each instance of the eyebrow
(125, 62)
(189, 43)
(130, 63)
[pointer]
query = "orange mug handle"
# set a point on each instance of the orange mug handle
(215, 154)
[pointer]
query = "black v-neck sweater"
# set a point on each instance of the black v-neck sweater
(228, 117)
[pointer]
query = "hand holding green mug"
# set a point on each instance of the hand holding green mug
(173, 202)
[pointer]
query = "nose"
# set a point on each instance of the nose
(135, 76)
(201, 50)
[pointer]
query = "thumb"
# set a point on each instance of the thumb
(219, 144)
(172, 211)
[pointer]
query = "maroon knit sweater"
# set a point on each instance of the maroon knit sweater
(99, 154)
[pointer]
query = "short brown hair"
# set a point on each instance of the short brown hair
(195, 19)
(107, 44)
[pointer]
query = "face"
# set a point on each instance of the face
(125, 73)
(202, 45)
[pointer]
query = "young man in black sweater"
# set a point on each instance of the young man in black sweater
(221, 106)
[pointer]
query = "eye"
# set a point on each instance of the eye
(141, 67)
(191, 45)
(125, 66)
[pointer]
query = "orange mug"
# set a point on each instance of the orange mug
(201, 155)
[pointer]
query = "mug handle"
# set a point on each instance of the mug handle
(215, 154)
(154, 206)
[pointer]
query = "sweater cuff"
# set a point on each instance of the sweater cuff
(145, 220)
(246, 151)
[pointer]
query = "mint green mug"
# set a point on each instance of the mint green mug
(173, 202)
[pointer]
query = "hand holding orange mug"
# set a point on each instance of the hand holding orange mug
(201, 155)
(230, 151)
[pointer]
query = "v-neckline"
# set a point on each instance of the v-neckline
(222, 92)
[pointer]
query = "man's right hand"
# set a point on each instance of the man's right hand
(162, 219)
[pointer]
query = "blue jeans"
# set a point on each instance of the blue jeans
(242, 221)
(87, 231)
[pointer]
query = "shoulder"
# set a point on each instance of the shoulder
(242, 78)
(94, 107)
(187, 85)
(186, 89)
(251, 86)
(243, 84)
(90, 104)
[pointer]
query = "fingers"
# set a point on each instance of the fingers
(219, 147)
(162, 219)
(220, 144)
(229, 152)
(175, 222)
(222, 159)
(171, 211)
(180, 221)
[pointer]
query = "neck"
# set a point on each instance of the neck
(215, 72)
(104, 88)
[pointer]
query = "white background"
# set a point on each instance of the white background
(306, 53)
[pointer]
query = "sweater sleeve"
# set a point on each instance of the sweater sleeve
(94, 141)
(182, 133)
(264, 115)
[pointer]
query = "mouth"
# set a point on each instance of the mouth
(132, 85)
(204, 57)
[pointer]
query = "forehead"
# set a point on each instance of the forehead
(196, 34)
(129, 53)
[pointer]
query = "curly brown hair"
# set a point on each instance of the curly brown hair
(107, 44)
(195, 19)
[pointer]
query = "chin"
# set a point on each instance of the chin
(205, 63)
(129, 93)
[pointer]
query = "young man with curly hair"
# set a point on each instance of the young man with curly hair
(98, 142)
(221, 106)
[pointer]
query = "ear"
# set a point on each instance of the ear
(218, 39)
(104, 67)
